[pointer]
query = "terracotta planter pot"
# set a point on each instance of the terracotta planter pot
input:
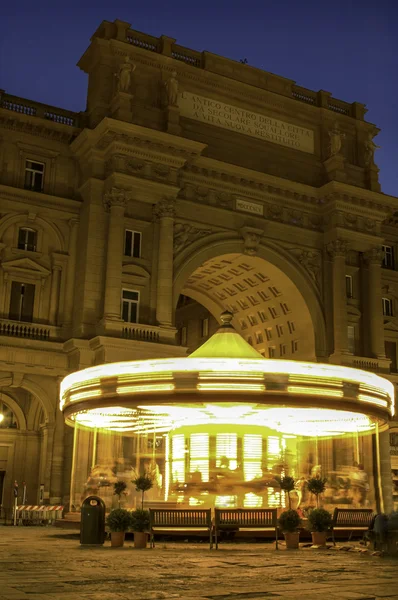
(117, 539)
(140, 539)
(292, 540)
(318, 538)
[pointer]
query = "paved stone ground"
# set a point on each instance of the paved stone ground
(49, 564)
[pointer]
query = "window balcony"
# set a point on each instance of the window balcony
(32, 331)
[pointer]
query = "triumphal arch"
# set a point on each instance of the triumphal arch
(192, 185)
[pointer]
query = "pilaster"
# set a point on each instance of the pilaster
(373, 313)
(115, 201)
(335, 168)
(121, 106)
(337, 251)
(164, 213)
(70, 273)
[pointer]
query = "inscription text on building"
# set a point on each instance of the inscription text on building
(247, 122)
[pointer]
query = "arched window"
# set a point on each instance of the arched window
(7, 417)
(27, 239)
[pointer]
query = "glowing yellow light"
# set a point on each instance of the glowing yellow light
(83, 395)
(135, 389)
(372, 400)
(313, 391)
(249, 387)
(1, 417)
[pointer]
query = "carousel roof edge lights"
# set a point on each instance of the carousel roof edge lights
(226, 380)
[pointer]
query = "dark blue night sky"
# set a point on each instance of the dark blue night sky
(349, 48)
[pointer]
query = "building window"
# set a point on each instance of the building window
(27, 239)
(183, 336)
(294, 346)
(273, 312)
(388, 259)
(351, 338)
(391, 353)
(130, 305)
(205, 327)
(34, 175)
(279, 329)
(252, 319)
(387, 307)
(271, 352)
(22, 301)
(263, 316)
(282, 348)
(268, 333)
(132, 243)
(348, 286)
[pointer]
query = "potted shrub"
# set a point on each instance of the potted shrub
(289, 522)
(286, 484)
(143, 483)
(319, 522)
(118, 521)
(140, 527)
(119, 488)
(316, 485)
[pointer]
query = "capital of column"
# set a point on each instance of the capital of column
(73, 222)
(337, 248)
(164, 208)
(115, 197)
(374, 256)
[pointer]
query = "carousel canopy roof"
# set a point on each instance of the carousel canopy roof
(226, 380)
(226, 343)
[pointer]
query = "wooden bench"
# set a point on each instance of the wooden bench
(249, 519)
(355, 520)
(187, 520)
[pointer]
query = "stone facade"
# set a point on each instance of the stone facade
(188, 174)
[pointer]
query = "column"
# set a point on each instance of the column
(56, 489)
(373, 259)
(164, 212)
(337, 250)
(54, 295)
(71, 272)
(47, 436)
(115, 200)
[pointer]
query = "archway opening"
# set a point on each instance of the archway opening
(269, 311)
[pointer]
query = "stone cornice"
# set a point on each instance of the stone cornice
(158, 142)
(65, 206)
(226, 174)
(141, 190)
(359, 196)
(37, 126)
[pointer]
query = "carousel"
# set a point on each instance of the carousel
(218, 428)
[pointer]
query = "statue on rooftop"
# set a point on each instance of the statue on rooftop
(336, 137)
(370, 148)
(124, 75)
(171, 86)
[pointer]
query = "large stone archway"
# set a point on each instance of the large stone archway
(276, 306)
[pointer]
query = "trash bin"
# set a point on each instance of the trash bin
(92, 525)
